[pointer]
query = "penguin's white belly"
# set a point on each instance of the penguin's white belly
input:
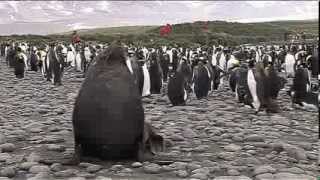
(71, 58)
(78, 62)
(146, 81)
(253, 89)
(289, 65)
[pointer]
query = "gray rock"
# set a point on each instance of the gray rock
(126, 170)
(189, 133)
(265, 176)
(312, 156)
(33, 157)
(296, 152)
(199, 176)
(77, 178)
(56, 147)
(181, 173)
(84, 164)
(2, 139)
(263, 169)
(8, 172)
(232, 147)
(7, 147)
(116, 167)
(27, 165)
(166, 168)
(176, 137)
(103, 178)
(4, 178)
(152, 168)
(286, 176)
(39, 168)
(294, 170)
(233, 172)
(201, 173)
(232, 178)
(136, 165)
(66, 173)
(201, 148)
(228, 156)
(193, 166)
(237, 138)
(93, 168)
(179, 165)
(41, 176)
(56, 167)
(4, 157)
(254, 138)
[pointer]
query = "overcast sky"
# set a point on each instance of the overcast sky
(42, 17)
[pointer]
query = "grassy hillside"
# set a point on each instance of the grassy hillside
(222, 32)
(309, 26)
(218, 32)
(115, 30)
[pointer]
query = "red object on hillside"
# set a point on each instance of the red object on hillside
(75, 38)
(205, 26)
(165, 30)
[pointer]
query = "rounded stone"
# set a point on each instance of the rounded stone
(7, 147)
(136, 164)
(56, 167)
(77, 178)
(27, 165)
(152, 168)
(2, 139)
(233, 172)
(94, 168)
(182, 173)
(39, 168)
(8, 172)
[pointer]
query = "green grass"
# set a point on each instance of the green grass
(219, 32)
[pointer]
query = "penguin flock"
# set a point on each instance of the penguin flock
(108, 114)
(199, 70)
